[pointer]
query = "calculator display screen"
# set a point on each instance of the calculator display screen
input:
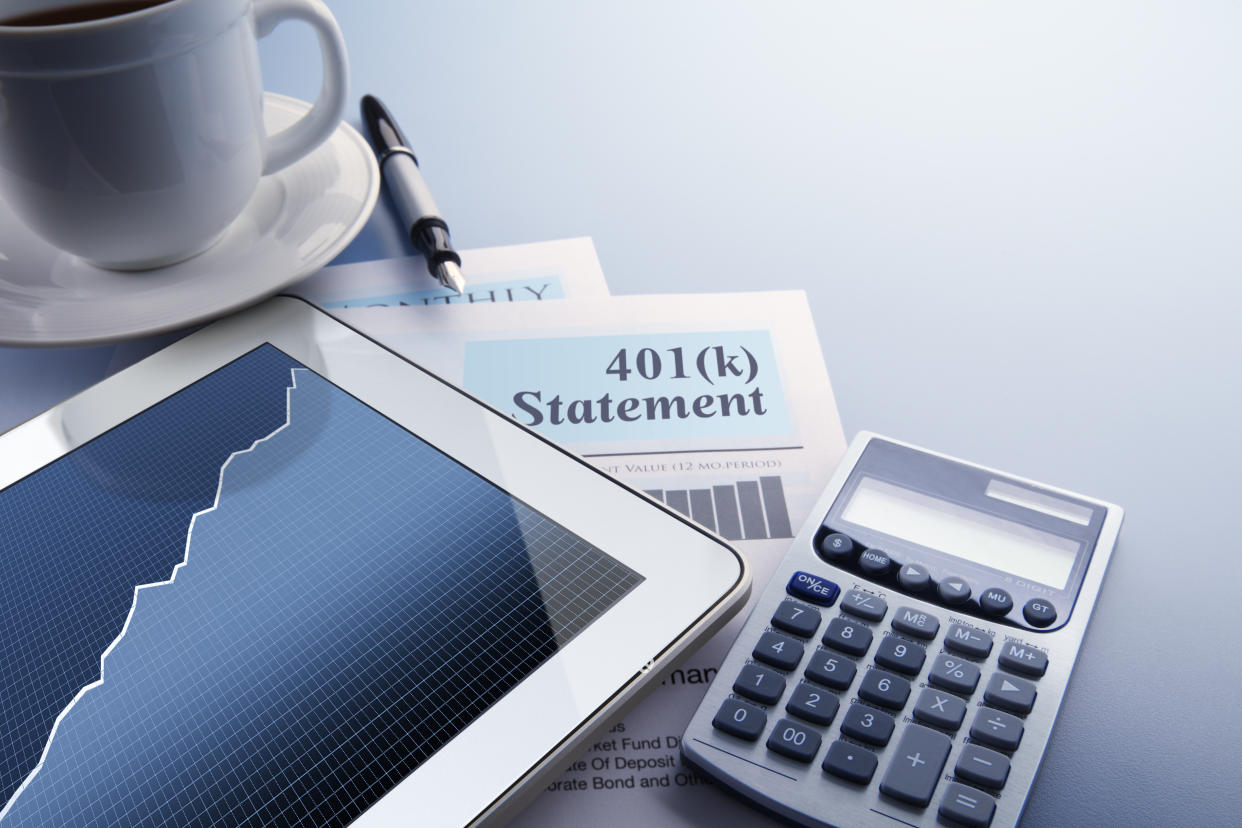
(962, 532)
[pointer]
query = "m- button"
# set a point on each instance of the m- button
(968, 641)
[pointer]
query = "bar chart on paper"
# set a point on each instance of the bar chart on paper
(743, 510)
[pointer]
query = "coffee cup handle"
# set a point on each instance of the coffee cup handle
(313, 128)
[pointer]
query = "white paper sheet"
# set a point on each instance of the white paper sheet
(733, 417)
(516, 273)
(32, 380)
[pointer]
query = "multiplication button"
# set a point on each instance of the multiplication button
(864, 605)
(941, 709)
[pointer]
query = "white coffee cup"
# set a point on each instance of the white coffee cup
(134, 140)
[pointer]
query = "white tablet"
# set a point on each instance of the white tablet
(276, 574)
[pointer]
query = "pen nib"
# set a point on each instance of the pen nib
(450, 276)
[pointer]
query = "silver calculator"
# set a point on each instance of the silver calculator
(906, 663)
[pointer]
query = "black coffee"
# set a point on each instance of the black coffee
(79, 12)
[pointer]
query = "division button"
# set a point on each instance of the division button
(866, 724)
(836, 547)
(813, 704)
(864, 605)
(949, 672)
(953, 591)
(1000, 730)
(996, 601)
(780, 651)
(936, 707)
(831, 670)
(813, 588)
(1010, 693)
(850, 762)
(916, 623)
(848, 636)
(884, 689)
(797, 741)
(968, 641)
(1024, 659)
(915, 766)
(737, 718)
(901, 655)
(875, 562)
(982, 766)
(759, 684)
(914, 577)
(1039, 613)
(795, 618)
(966, 806)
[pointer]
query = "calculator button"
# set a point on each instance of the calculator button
(781, 651)
(1039, 613)
(1023, 659)
(797, 741)
(968, 641)
(866, 724)
(992, 727)
(966, 806)
(953, 591)
(831, 670)
(916, 765)
(864, 605)
(813, 588)
(1010, 693)
(794, 618)
(941, 709)
(836, 547)
(996, 601)
(951, 673)
(983, 767)
(900, 655)
(813, 704)
(847, 636)
(884, 689)
(760, 684)
(737, 718)
(875, 562)
(914, 577)
(850, 762)
(916, 622)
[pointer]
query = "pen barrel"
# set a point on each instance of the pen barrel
(409, 191)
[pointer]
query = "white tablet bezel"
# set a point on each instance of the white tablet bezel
(693, 580)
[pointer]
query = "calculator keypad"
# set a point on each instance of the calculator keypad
(914, 751)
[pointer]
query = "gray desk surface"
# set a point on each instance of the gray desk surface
(1018, 229)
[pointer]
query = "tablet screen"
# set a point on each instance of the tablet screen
(260, 601)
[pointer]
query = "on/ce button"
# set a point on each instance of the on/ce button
(813, 588)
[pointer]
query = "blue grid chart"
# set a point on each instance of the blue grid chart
(355, 600)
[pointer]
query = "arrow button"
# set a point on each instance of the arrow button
(954, 591)
(1010, 693)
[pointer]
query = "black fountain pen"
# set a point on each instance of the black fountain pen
(417, 208)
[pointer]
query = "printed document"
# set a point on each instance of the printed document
(717, 405)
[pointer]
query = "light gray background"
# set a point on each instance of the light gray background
(1018, 229)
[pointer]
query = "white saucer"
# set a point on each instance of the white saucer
(297, 221)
